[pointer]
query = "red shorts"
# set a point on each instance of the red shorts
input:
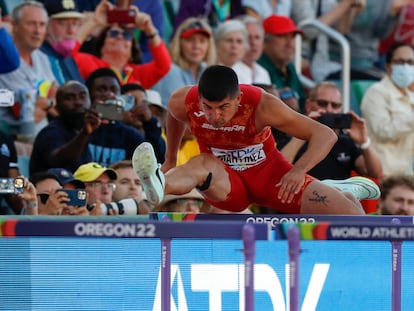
(258, 185)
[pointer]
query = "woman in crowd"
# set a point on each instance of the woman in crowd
(117, 48)
(192, 49)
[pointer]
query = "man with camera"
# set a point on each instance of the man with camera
(352, 151)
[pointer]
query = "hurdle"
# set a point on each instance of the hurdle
(393, 232)
(163, 230)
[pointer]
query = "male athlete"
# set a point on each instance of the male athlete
(239, 163)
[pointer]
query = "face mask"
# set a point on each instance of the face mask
(402, 75)
(64, 47)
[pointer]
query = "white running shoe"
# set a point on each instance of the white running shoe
(361, 187)
(149, 172)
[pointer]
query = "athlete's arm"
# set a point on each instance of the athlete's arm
(176, 124)
(273, 112)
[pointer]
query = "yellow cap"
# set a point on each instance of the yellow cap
(91, 171)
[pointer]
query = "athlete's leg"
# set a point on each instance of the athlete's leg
(204, 171)
(319, 198)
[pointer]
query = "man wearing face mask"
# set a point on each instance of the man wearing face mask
(63, 26)
(388, 109)
(63, 142)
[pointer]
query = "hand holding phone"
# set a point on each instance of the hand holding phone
(77, 197)
(112, 109)
(336, 120)
(121, 16)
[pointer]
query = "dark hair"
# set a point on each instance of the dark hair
(218, 82)
(390, 182)
(391, 50)
(99, 73)
(135, 50)
(128, 87)
(40, 176)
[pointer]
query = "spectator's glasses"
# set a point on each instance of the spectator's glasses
(324, 103)
(43, 197)
(113, 33)
(100, 184)
(400, 61)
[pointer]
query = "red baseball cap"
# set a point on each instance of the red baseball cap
(196, 27)
(280, 25)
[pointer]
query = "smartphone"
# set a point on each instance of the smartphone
(336, 120)
(121, 16)
(77, 196)
(6, 98)
(111, 110)
(11, 185)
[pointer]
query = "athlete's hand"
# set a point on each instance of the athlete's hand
(290, 184)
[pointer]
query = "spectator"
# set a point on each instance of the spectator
(215, 12)
(116, 48)
(141, 111)
(397, 195)
(370, 26)
(232, 44)
(100, 186)
(191, 202)
(128, 186)
(9, 55)
(64, 141)
(66, 178)
(116, 141)
(99, 181)
(61, 34)
(52, 201)
(257, 74)
(387, 109)
(351, 152)
(340, 15)
(192, 49)
(278, 51)
(29, 114)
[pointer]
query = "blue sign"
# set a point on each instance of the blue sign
(69, 273)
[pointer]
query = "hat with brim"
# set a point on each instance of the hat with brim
(92, 171)
(280, 25)
(196, 27)
(154, 98)
(62, 9)
(65, 177)
(193, 194)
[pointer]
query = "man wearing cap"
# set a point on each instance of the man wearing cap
(99, 181)
(278, 51)
(62, 29)
(66, 179)
(29, 113)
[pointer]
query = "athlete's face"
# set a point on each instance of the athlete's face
(218, 113)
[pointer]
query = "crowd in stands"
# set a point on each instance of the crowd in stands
(88, 91)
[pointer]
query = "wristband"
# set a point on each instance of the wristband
(365, 145)
(31, 205)
(153, 35)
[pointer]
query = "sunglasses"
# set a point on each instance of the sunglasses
(324, 103)
(43, 197)
(114, 33)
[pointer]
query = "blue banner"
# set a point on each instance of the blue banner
(68, 273)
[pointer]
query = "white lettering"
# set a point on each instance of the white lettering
(216, 279)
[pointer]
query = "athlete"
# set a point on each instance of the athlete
(239, 163)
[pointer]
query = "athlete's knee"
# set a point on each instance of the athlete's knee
(206, 184)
